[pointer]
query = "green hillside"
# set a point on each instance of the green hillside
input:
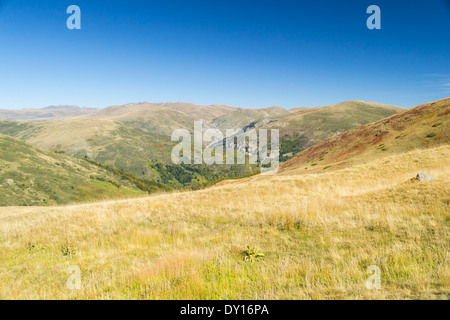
(109, 142)
(337, 118)
(29, 176)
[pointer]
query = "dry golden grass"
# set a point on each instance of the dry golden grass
(319, 233)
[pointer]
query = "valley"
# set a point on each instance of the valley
(136, 138)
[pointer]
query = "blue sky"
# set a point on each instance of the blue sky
(243, 53)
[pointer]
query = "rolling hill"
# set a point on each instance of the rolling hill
(333, 119)
(32, 177)
(160, 118)
(157, 118)
(240, 118)
(138, 111)
(424, 126)
(109, 142)
(44, 114)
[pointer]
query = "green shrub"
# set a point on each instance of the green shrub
(252, 254)
(142, 184)
(68, 251)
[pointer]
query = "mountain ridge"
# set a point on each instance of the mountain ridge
(419, 127)
(129, 137)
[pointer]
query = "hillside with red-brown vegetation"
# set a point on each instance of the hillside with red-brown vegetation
(424, 126)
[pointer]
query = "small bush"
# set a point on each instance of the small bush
(68, 251)
(431, 135)
(31, 246)
(252, 254)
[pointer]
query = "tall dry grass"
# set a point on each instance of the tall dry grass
(319, 234)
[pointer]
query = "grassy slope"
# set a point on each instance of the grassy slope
(128, 112)
(44, 114)
(137, 111)
(161, 118)
(322, 122)
(239, 118)
(319, 232)
(424, 126)
(106, 141)
(29, 176)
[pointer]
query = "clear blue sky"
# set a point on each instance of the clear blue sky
(248, 53)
